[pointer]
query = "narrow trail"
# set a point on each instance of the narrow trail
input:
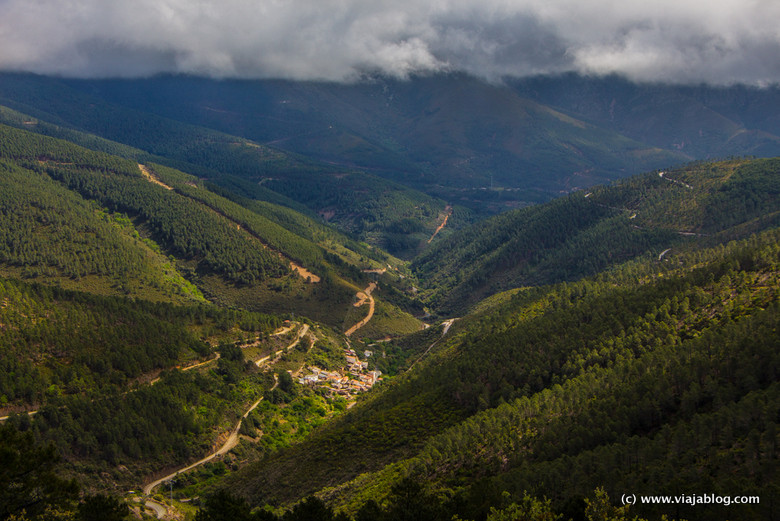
(151, 382)
(362, 297)
(191, 367)
(662, 175)
(634, 213)
(312, 341)
(29, 413)
(282, 330)
(233, 438)
(201, 364)
(447, 209)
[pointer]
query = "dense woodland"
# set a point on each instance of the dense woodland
(590, 231)
(635, 348)
(358, 202)
(184, 229)
(59, 342)
(171, 241)
(590, 380)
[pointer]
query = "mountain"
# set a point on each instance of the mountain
(589, 231)
(651, 387)
(699, 121)
(115, 275)
(559, 389)
(485, 146)
(360, 203)
(195, 269)
(120, 227)
(441, 134)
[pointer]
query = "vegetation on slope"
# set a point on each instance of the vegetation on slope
(438, 133)
(587, 232)
(322, 187)
(672, 404)
(231, 252)
(551, 375)
(50, 233)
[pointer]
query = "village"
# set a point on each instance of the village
(353, 379)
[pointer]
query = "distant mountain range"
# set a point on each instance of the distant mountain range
(488, 147)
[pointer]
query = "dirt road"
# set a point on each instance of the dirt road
(297, 268)
(448, 210)
(152, 178)
(362, 297)
(229, 444)
(304, 329)
(29, 413)
(447, 325)
(233, 438)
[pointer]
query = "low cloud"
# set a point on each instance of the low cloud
(683, 41)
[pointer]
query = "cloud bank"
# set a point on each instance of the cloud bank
(680, 41)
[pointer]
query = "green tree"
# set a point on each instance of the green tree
(223, 506)
(409, 502)
(310, 509)
(101, 508)
(529, 509)
(370, 511)
(601, 509)
(29, 485)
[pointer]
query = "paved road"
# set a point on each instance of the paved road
(159, 509)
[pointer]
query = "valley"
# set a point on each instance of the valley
(434, 299)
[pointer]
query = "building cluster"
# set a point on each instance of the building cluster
(353, 379)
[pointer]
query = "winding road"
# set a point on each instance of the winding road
(294, 266)
(304, 329)
(447, 325)
(233, 438)
(448, 212)
(159, 509)
(29, 413)
(363, 296)
(229, 444)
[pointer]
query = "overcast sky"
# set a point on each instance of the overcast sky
(683, 41)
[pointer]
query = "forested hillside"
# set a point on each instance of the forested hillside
(655, 377)
(229, 250)
(356, 200)
(172, 294)
(445, 134)
(700, 121)
(589, 231)
(116, 274)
